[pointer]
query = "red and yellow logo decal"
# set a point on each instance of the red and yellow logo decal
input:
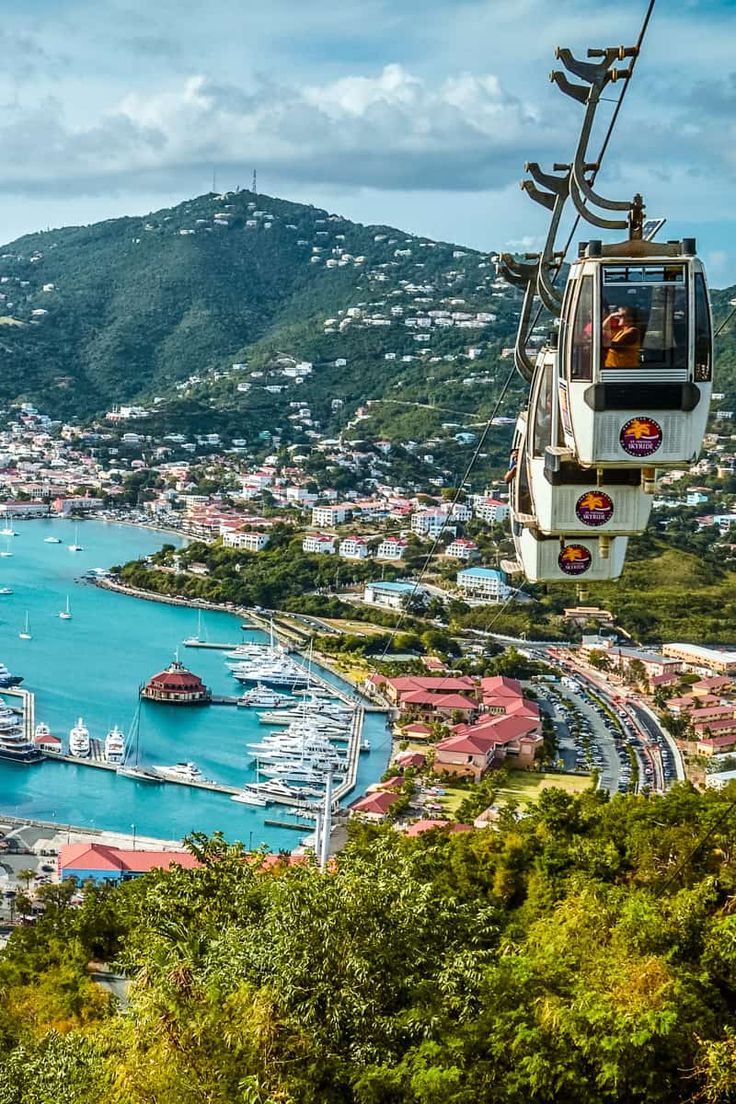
(594, 508)
(641, 436)
(574, 559)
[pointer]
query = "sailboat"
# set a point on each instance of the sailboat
(76, 547)
(6, 550)
(26, 634)
(8, 532)
(66, 614)
(198, 637)
(135, 770)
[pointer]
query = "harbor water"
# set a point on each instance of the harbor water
(92, 666)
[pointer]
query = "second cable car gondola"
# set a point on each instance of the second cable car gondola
(635, 356)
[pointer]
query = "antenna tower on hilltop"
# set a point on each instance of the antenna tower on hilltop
(254, 185)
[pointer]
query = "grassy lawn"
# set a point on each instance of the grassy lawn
(526, 786)
(356, 628)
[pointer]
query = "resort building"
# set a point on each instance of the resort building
(330, 516)
(490, 509)
(462, 549)
(319, 543)
(703, 659)
(391, 548)
(485, 583)
(354, 548)
(245, 542)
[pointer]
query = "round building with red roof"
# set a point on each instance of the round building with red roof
(176, 686)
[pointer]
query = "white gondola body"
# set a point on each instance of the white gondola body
(546, 560)
(563, 498)
(643, 404)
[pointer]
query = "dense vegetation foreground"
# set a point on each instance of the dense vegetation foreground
(585, 953)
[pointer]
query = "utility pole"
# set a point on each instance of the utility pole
(324, 853)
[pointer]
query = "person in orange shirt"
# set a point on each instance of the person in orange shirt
(621, 339)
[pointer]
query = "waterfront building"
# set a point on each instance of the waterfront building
(246, 542)
(101, 863)
(176, 686)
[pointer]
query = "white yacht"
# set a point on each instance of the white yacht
(249, 796)
(115, 746)
(277, 672)
(13, 742)
(263, 697)
(52, 540)
(79, 742)
(5, 590)
(8, 532)
(181, 772)
(276, 788)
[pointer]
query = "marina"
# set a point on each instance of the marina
(94, 664)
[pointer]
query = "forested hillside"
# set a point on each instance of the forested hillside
(583, 953)
(130, 308)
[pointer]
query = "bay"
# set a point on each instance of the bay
(93, 665)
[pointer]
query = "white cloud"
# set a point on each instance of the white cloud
(393, 130)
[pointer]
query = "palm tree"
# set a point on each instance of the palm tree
(26, 875)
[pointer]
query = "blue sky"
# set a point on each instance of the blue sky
(416, 114)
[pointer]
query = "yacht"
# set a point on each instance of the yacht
(115, 746)
(13, 742)
(276, 788)
(5, 590)
(140, 774)
(52, 540)
(6, 679)
(182, 772)
(66, 613)
(263, 697)
(298, 770)
(249, 796)
(278, 672)
(8, 532)
(79, 742)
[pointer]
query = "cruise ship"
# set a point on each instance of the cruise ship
(13, 742)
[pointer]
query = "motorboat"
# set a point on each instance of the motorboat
(115, 746)
(52, 540)
(182, 772)
(249, 796)
(79, 741)
(5, 590)
(263, 697)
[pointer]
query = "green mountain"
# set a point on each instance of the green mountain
(160, 308)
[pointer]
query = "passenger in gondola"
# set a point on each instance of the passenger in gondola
(513, 462)
(621, 339)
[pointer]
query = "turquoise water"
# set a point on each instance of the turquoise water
(93, 665)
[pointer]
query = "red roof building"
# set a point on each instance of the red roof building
(176, 686)
(375, 806)
(103, 863)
